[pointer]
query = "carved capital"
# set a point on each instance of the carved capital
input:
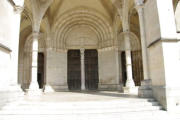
(139, 5)
(35, 34)
(82, 51)
(139, 2)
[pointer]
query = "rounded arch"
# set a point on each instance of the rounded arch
(83, 36)
(41, 43)
(134, 21)
(134, 41)
(26, 57)
(136, 56)
(94, 20)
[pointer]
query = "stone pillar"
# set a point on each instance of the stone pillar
(129, 82)
(145, 90)
(82, 69)
(162, 42)
(34, 87)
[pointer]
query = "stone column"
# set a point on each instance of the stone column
(143, 43)
(82, 70)
(34, 87)
(129, 82)
(146, 86)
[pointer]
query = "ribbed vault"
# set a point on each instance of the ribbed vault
(92, 19)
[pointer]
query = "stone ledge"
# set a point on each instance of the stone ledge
(5, 48)
(109, 87)
(162, 40)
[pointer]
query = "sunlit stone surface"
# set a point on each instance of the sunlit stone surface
(138, 55)
(86, 106)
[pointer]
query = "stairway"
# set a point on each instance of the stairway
(83, 106)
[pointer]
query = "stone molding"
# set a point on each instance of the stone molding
(107, 49)
(139, 2)
(5, 48)
(57, 50)
(162, 40)
(101, 25)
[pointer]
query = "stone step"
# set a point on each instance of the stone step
(80, 107)
(75, 111)
(120, 100)
(147, 101)
(143, 115)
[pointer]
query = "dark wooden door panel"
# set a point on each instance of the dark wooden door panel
(40, 73)
(123, 62)
(91, 69)
(74, 70)
(137, 67)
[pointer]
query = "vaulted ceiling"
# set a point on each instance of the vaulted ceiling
(106, 10)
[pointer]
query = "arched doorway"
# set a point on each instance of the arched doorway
(136, 57)
(26, 59)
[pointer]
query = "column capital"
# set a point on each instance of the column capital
(18, 9)
(82, 50)
(139, 2)
(139, 5)
(35, 34)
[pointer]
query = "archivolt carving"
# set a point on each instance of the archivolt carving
(134, 41)
(81, 36)
(41, 43)
(92, 19)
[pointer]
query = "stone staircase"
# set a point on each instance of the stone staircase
(83, 106)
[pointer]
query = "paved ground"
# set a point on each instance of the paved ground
(84, 106)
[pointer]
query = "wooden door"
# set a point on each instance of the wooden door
(137, 67)
(41, 70)
(74, 70)
(123, 63)
(91, 69)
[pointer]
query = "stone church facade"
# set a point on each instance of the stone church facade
(77, 45)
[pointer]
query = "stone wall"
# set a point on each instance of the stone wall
(56, 69)
(108, 69)
(163, 52)
(9, 41)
